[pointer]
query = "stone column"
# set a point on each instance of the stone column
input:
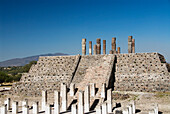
(95, 50)
(109, 100)
(118, 50)
(133, 107)
(43, 100)
(61, 87)
(4, 109)
(8, 102)
(25, 109)
(156, 109)
(104, 47)
(90, 47)
(103, 91)
(87, 99)
(130, 109)
(35, 107)
(72, 89)
(64, 98)
(98, 110)
(24, 103)
(92, 89)
(56, 102)
(84, 46)
(48, 109)
(114, 45)
(110, 52)
(98, 42)
(129, 44)
(73, 109)
(15, 107)
(126, 111)
(81, 103)
(104, 108)
(133, 45)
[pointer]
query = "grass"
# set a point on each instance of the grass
(133, 97)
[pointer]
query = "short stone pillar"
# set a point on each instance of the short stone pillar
(90, 47)
(84, 46)
(87, 99)
(125, 111)
(133, 45)
(24, 104)
(130, 109)
(114, 45)
(3, 109)
(72, 89)
(94, 49)
(64, 98)
(111, 52)
(104, 108)
(118, 50)
(156, 109)
(25, 109)
(109, 100)
(43, 100)
(98, 110)
(8, 102)
(61, 87)
(103, 91)
(98, 42)
(15, 107)
(35, 107)
(73, 109)
(92, 89)
(56, 102)
(104, 47)
(133, 107)
(129, 44)
(48, 109)
(81, 102)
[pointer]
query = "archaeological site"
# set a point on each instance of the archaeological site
(97, 83)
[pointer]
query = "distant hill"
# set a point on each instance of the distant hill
(25, 60)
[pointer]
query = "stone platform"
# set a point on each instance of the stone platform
(121, 72)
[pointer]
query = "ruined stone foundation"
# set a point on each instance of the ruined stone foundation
(122, 72)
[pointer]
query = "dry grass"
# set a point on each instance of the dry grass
(162, 94)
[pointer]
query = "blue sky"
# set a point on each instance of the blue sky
(32, 27)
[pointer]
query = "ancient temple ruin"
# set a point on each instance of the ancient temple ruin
(93, 75)
(127, 72)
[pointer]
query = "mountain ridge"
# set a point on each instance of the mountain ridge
(25, 60)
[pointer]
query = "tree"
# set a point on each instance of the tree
(14, 73)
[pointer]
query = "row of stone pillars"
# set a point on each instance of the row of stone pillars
(81, 107)
(97, 46)
(15, 108)
(104, 108)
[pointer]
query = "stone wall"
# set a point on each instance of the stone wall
(47, 74)
(55, 68)
(141, 72)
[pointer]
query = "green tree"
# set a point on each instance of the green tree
(14, 73)
(3, 77)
